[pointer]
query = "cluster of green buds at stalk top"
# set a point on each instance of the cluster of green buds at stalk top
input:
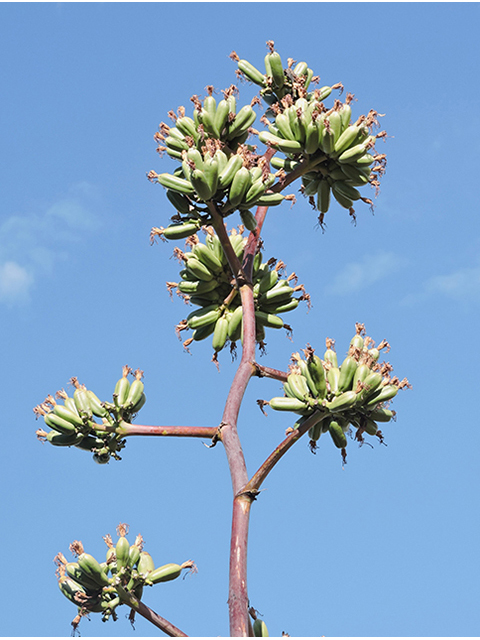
(100, 587)
(73, 422)
(216, 168)
(213, 171)
(207, 282)
(333, 154)
(355, 394)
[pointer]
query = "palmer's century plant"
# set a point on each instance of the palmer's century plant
(238, 295)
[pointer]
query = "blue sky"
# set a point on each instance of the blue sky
(385, 546)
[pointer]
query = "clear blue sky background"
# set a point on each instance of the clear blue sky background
(387, 546)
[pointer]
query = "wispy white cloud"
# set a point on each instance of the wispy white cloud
(462, 285)
(72, 213)
(370, 269)
(15, 283)
(32, 244)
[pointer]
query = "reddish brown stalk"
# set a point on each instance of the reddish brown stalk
(150, 615)
(126, 429)
(252, 243)
(254, 237)
(232, 406)
(238, 594)
(258, 478)
(219, 226)
(304, 167)
(267, 372)
(238, 597)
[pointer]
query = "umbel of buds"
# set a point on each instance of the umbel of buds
(355, 394)
(101, 587)
(322, 143)
(207, 281)
(73, 422)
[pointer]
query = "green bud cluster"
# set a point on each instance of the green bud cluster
(333, 154)
(217, 168)
(208, 282)
(354, 394)
(321, 144)
(100, 587)
(72, 423)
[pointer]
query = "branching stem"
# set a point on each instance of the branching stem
(304, 167)
(126, 429)
(238, 597)
(150, 615)
(238, 594)
(254, 484)
(244, 491)
(268, 372)
(219, 226)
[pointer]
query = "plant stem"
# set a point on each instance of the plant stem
(238, 593)
(268, 372)
(238, 598)
(126, 429)
(219, 226)
(252, 243)
(258, 478)
(243, 498)
(150, 615)
(304, 167)
(242, 491)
